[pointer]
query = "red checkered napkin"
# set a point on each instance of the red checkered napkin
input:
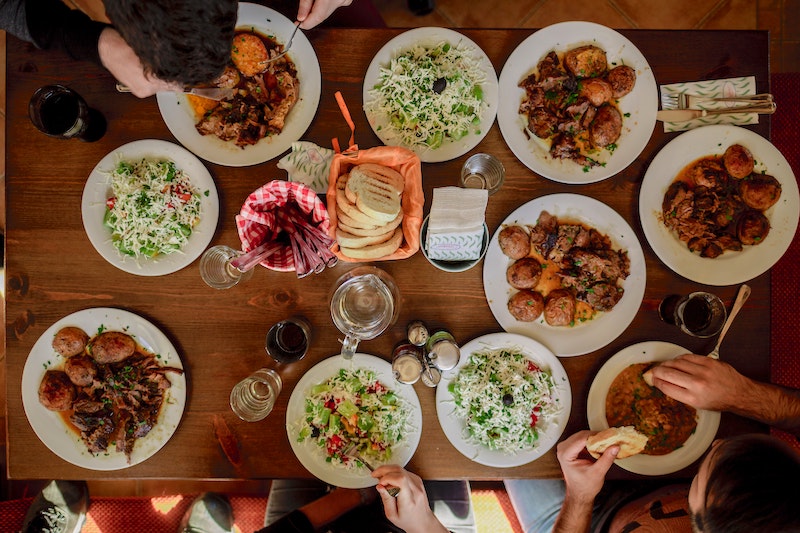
(256, 222)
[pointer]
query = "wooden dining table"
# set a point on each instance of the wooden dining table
(53, 270)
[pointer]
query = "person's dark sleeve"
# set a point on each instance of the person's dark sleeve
(294, 522)
(51, 25)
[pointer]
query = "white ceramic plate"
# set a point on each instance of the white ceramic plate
(651, 465)
(731, 267)
(180, 119)
(98, 190)
(593, 334)
(453, 426)
(51, 428)
(313, 459)
(431, 37)
(639, 107)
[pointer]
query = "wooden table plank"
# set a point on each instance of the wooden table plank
(52, 269)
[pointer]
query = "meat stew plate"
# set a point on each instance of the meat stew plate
(593, 334)
(51, 428)
(179, 117)
(731, 267)
(639, 107)
(651, 465)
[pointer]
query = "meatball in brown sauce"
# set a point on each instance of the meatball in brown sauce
(81, 370)
(514, 242)
(738, 161)
(752, 227)
(586, 61)
(526, 305)
(112, 347)
(606, 126)
(760, 191)
(559, 308)
(622, 80)
(70, 341)
(56, 391)
(524, 273)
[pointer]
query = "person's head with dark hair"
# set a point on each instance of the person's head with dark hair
(745, 484)
(188, 42)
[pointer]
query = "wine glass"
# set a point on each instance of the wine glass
(364, 303)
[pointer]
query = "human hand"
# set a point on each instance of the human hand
(121, 61)
(583, 476)
(702, 382)
(313, 12)
(409, 510)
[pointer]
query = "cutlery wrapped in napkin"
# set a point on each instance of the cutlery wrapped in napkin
(455, 223)
(726, 87)
(308, 164)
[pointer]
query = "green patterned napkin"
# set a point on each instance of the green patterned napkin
(716, 88)
(308, 164)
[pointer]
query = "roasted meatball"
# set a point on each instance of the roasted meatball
(526, 306)
(524, 273)
(559, 308)
(760, 191)
(752, 227)
(707, 173)
(514, 242)
(70, 341)
(112, 347)
(606, 127)
(738, 161)
(586, 61)
(81, 370)
(56, 391)
(596, 90)
(622, 79)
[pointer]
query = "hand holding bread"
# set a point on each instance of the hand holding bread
(369, 211)
(629, 440)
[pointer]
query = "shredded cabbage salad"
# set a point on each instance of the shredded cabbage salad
(505, 399)
(153, 207)
(430, 95)
(353, 408)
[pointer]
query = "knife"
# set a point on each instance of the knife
(212, 93)
(683, 115)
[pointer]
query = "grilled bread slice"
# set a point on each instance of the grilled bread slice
(349, 208)
(376, 190)
(375, 251)
(629, 440)
(369, 232)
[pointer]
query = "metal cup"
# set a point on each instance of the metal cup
(253, 398)
(483, 171)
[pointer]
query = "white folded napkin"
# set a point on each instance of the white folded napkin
(455, 223)
(743, 86)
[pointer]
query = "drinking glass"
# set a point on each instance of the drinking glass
(364, 303)
(253, 398)
(288, 340)
(700, 314)
(216, 269)
(59, 111)
(483, 171)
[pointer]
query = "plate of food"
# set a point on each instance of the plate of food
(507, 401)
(566, 270)
(281, 97)
(620, 397)
(150, 207)
(579, 102)
(88, 362)
(738, 224)
(433, 91)
(340, 406)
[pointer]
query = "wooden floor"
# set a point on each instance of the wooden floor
(780, 17)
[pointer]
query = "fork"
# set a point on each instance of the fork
(285, 47)
(352, 451)
(691, 101)
(741, 298)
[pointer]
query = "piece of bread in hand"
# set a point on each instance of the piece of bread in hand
(629, 440)
(376, 190)
(375, 251)
(648, 376)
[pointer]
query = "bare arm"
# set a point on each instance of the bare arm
(584, 477)
(410, 510)
(706, 383)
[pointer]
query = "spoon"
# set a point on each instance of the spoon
(741, 298)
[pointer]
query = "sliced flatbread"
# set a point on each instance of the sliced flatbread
(349, 208)
(375, 190)
(629, 440)
(375, 251)
(368, 232)
(349, 240)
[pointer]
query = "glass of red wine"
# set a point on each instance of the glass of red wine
(700, 314)
(59, 111)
